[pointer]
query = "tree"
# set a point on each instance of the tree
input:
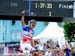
(69, 31)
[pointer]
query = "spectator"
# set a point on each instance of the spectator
(73, 52)
(61, 53)
(57, 44)
(45, 47)
(37, 45)
(68, 48)
(52, 52)
(48, 44)
(48, 53)
(67, 52)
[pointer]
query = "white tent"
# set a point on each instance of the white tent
(52, 31)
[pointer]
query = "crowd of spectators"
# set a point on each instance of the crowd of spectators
(51, 48)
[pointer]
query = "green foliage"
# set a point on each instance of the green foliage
(69, 31)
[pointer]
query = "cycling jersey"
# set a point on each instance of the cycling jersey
(27, 34)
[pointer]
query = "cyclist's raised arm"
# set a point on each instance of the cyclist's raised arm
(23, 21)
